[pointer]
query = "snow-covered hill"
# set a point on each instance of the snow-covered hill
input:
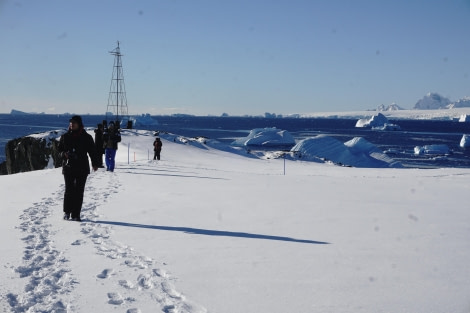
(204, 230)
(391, 107)
(432, 101)
(461, 103)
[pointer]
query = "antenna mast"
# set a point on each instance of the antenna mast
(117, 101)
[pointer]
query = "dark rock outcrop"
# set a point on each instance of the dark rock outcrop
(31, 153)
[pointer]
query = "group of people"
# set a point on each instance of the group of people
(74, 148)
(106, 141)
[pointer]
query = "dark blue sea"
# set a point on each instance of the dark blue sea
(399, 144)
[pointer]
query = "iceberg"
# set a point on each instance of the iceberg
(465, 141)
(358, 152)
(387, 126)
(464, 118)
(144, 120)
(432, 150)
(378, 120)
(266, 137)
(17, 112)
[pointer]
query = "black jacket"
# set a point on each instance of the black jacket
(99, 139)
(111, 139)
(157, 145)
(73, 149)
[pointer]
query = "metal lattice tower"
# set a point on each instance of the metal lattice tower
(117, 101)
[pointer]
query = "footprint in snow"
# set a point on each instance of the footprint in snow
(78, 242)
(115, 298)
(160, 273)
(105, 273)
(126, 284)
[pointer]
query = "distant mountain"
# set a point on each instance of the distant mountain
(432, 101)
(391, 107)
(461, 103)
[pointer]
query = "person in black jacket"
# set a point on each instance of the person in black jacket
(73, 148)
(99, 144)
(111, 137)
(157, 148)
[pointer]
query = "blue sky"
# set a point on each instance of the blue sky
(239, 57)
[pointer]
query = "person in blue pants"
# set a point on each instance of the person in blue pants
(111, 137)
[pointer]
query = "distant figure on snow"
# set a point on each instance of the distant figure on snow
(111, 137)
(157, 148)
(99, 144)
(73, 149)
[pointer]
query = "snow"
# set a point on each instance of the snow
(49, 136)
(465, 141)
(266, 137)
(205, 230)
(378, 120)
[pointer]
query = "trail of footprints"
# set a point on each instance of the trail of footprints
(51, 281)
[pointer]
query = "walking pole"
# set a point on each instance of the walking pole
(284, 155)
(128, 148)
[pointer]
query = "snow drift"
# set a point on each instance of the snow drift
(266, 137)
(357, 152)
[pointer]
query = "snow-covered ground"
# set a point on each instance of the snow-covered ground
(207, 230)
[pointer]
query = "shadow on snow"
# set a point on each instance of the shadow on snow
(208, 232)
(171, 175)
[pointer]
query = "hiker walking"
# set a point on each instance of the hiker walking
(99, 144)
(157, 148)
(111, 137)
(73, 148)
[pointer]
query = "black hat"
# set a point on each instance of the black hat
(77, 119)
